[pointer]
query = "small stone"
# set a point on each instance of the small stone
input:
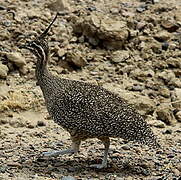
(76, 58)
(140, 25)
(168, 131)
(157, 123)
(162, 36)
(155, 1)
(176, 172)
(16, 58)
(2, 8)
(60, 6)
(120, 56)
(165, 46)
(137, 87)
(3, 121)
(3, 71)
(165, 114)
(178, 116)
(30, 126)
(68, 178)
(169, 25)
(142, 8)
(14, 164)
(61, 52)
(125, 147)
(41, 123)
(178, 93)
(179, 167)
(164, 92)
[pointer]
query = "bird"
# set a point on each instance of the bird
(86, 110)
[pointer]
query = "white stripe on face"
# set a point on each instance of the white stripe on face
(41, 53)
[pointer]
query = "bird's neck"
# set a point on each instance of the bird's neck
(42, 72)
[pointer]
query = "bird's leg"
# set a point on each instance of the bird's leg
(73, 150)
(106, 142)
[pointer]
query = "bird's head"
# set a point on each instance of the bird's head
(39, 47)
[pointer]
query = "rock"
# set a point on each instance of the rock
(166, 75)
(142, 103)
(125, 147)
(41, 123)
(162, 36)
(165, 46)
(157, 123)
(155, 1)
(16, 123)
(120, 56)
(61, 52)
(60, 6)
(178, 116)
(142, 8)
(167, 131)
(68, 178)
(164, 92)
(176, 172)
(170, 25)
(3, 121)
(16, 58)
(14, 164)
(178, 93)
(76, 58)
(179, 167)
(141, 75)
(99, 28)
(137, 87)
(165, 114)
(3, 71)
(174, 63)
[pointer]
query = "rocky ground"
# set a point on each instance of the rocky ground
(131, 47)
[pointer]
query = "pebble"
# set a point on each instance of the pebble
(137, 87)
(59, 6)
(3, 121)
(120, 56)
(41, 123)
(157, 123)
(170, 25)
(3, 71)
(76, 58)
(162, 36)
(165, 114)
(179, 167)
(167, 131)
(16, 58)
(14, 164)
(125, 147)
(142, 8)
(2, 8)
(178, 116)
(68, 178)
(165, 46)
(176, 172)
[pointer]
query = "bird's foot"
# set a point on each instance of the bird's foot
(53, 153)
(98, 166)
(57, 153)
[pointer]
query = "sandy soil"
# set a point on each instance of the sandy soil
(132, 48)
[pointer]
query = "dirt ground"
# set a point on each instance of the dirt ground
(131, 47)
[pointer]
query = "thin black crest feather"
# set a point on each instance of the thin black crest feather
(42, 36)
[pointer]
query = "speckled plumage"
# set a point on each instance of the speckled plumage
(86, 110)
